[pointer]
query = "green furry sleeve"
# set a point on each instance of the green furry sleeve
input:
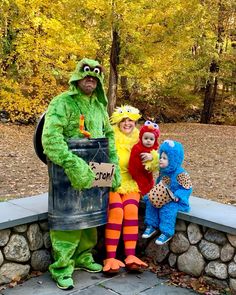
(109, 133)
(56, 149)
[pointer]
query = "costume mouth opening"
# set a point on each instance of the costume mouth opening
(93, 78)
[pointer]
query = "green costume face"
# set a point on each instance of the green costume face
(89, 67)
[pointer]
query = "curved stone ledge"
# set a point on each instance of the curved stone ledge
(204, 243)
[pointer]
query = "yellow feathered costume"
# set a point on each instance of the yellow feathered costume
(124, 144)
(123, 203)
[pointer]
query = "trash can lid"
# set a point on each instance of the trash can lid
(37, 139)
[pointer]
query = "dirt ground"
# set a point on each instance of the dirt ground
(210, 159)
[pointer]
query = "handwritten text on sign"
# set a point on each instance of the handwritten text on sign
(104, 173)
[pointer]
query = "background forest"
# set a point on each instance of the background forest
(174, 59)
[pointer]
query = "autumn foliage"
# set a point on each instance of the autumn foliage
(165, 49)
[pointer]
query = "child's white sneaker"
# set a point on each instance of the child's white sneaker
(162, 239)
(149, 231)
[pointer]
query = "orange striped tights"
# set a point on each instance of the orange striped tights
(122, 214)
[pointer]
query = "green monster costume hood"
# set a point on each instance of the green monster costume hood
(89, 67)
(63, 122)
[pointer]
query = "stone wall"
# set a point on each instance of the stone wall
(195, 250)
(24, 248)
(198, 251)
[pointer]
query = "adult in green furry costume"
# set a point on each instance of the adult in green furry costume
(85, 99)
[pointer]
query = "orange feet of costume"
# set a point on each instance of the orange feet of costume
(112, 265)
(132, 263)
(122, 217)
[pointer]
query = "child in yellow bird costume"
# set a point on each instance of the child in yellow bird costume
(123, 203)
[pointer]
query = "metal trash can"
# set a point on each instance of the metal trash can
(70, 209)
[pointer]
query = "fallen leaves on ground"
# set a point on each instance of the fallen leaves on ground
(17, 280)
(181, 279)
(209, 158)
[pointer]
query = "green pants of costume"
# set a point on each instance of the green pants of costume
(71, 249)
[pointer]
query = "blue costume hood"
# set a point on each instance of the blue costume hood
(175, 153)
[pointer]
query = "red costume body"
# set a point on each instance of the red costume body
(139, 173)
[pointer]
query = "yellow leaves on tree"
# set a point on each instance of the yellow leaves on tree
(165, 46)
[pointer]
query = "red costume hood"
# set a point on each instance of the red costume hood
(155, 131)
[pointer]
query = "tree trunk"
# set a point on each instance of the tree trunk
(124, 87)
(212, 83)
(113, 78)
(7, 45)
(209, 101)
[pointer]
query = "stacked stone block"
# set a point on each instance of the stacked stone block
(24, 248)
(197, 251)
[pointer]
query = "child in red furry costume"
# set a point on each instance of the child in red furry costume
(148, 143)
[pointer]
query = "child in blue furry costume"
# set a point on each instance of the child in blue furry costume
(176, 179)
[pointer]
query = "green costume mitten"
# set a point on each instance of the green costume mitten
(86, 175)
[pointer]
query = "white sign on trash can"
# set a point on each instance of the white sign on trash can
(104, 173)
